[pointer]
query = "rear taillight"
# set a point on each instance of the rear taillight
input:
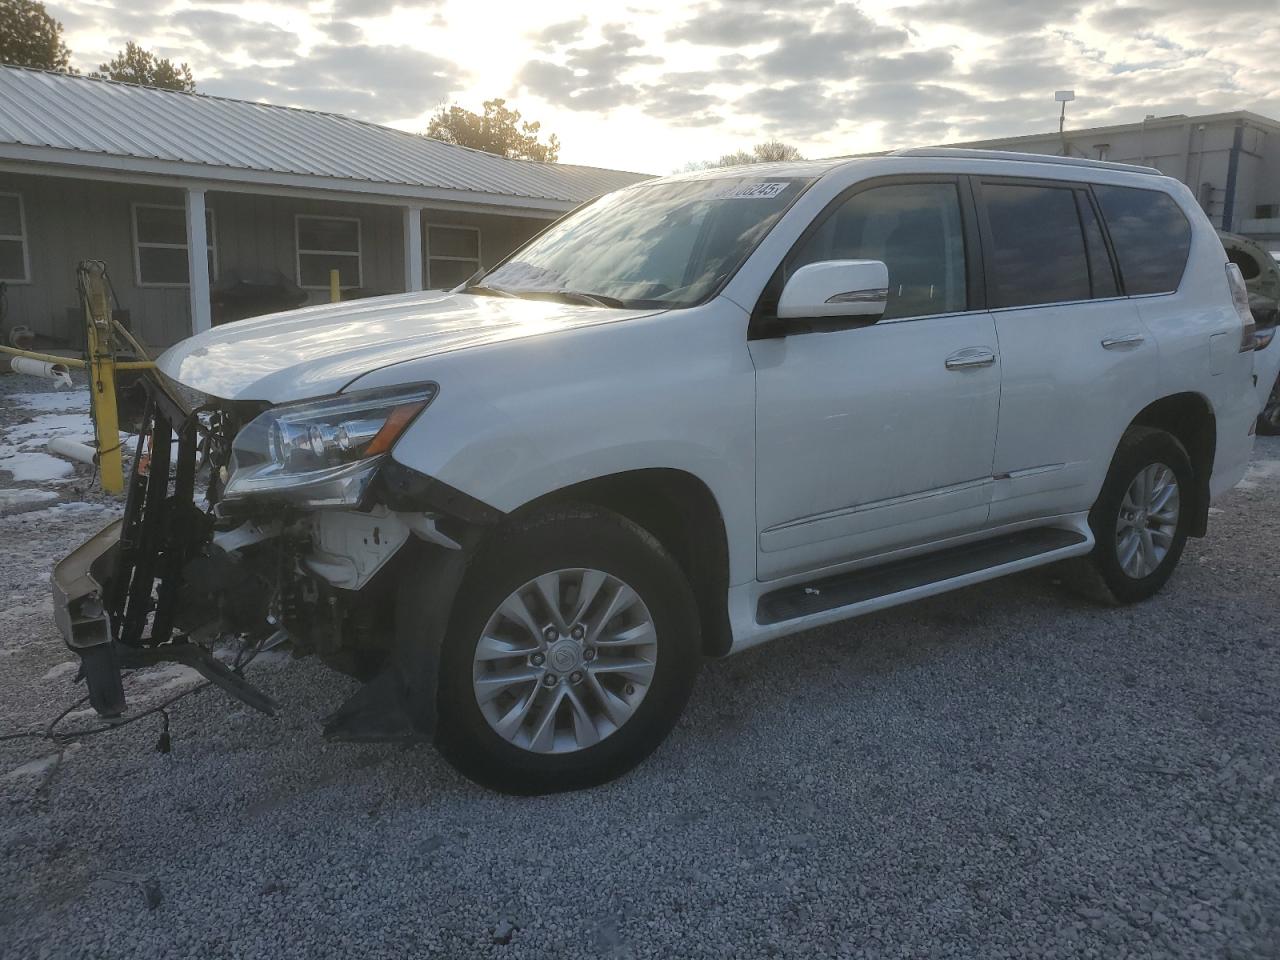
(1240, 300)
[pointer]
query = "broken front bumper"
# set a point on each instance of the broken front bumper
(79, 610)
(169, 577)
(116, 596)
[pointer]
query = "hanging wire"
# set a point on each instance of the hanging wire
(52, 733)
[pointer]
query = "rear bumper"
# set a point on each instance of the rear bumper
(79, 610)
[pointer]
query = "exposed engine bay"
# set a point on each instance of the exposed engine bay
(187, 570)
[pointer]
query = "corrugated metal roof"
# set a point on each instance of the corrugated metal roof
(87, 115)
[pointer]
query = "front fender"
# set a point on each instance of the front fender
(515, 422)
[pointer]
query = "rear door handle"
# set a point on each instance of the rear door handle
(1117, 343)
(971, 357)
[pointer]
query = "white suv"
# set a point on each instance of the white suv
(694, 415)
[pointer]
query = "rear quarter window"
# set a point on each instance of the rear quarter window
(1151, 237)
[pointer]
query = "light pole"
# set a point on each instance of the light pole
(1063, 97)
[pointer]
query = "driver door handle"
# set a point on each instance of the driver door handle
(1116, 343)
(971, 357)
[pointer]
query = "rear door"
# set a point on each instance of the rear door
(1078, 363)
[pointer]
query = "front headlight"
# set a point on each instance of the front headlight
(322, 452)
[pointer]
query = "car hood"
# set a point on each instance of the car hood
(319, 350)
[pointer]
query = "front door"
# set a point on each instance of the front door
(882, 436)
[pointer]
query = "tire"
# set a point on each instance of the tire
(1141, 453)
(570, 550)
(1269, 419)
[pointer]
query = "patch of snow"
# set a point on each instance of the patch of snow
(23, 496)
(77, 426)
(1258, 472)
(33, 466)
(81, 507)
(64, 400)
(65, 669)
(170, 677)
(37, 767)
(72, 510)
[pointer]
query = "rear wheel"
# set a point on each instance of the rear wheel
(1142, 516)
(571, 652)
(1269, 419)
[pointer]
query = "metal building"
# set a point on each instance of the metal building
(1230, 160)
(138, 177)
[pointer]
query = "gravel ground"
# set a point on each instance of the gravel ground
(1011, 770)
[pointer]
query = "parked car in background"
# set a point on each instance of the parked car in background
(697, 414)
(1261, 271)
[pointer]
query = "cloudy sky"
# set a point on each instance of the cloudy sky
(651, 86)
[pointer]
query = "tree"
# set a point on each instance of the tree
(767, 152)
(135, 64)
(29, 37)
(498, 130)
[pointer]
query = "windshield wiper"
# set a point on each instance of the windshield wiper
(563, 296)
(482, 290)
(576, 296)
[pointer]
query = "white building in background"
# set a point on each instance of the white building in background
(1230, 160)
(137, 177)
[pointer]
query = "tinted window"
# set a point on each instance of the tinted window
(1151, 237)
(1101, 273)
(1037, 245)
(915, 229)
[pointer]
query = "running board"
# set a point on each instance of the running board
(962, 563)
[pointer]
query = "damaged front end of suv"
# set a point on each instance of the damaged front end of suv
(252, 523)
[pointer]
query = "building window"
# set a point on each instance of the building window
(324, 244)
(1103, 150)
(1267, 211)
(453, 255)
(14, 263)
(160, 245)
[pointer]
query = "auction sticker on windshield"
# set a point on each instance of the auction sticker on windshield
(753, 191)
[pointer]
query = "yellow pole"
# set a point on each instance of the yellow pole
(335, 289)
(102, 377)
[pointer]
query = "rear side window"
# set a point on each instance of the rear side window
(1037, 245)
(1151, 237)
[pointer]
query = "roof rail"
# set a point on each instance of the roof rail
(962, 153)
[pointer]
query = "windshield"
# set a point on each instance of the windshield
(666, 244)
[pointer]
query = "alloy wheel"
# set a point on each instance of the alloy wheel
(1148, 520)
(564, 661)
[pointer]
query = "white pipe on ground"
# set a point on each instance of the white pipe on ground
(40, 368)
(72, 449)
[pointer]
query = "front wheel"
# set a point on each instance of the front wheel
(571, 652)
(1142, 516)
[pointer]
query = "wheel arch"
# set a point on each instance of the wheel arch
(679, 509)
(1189, 417)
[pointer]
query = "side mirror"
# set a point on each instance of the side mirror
(836, 288)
